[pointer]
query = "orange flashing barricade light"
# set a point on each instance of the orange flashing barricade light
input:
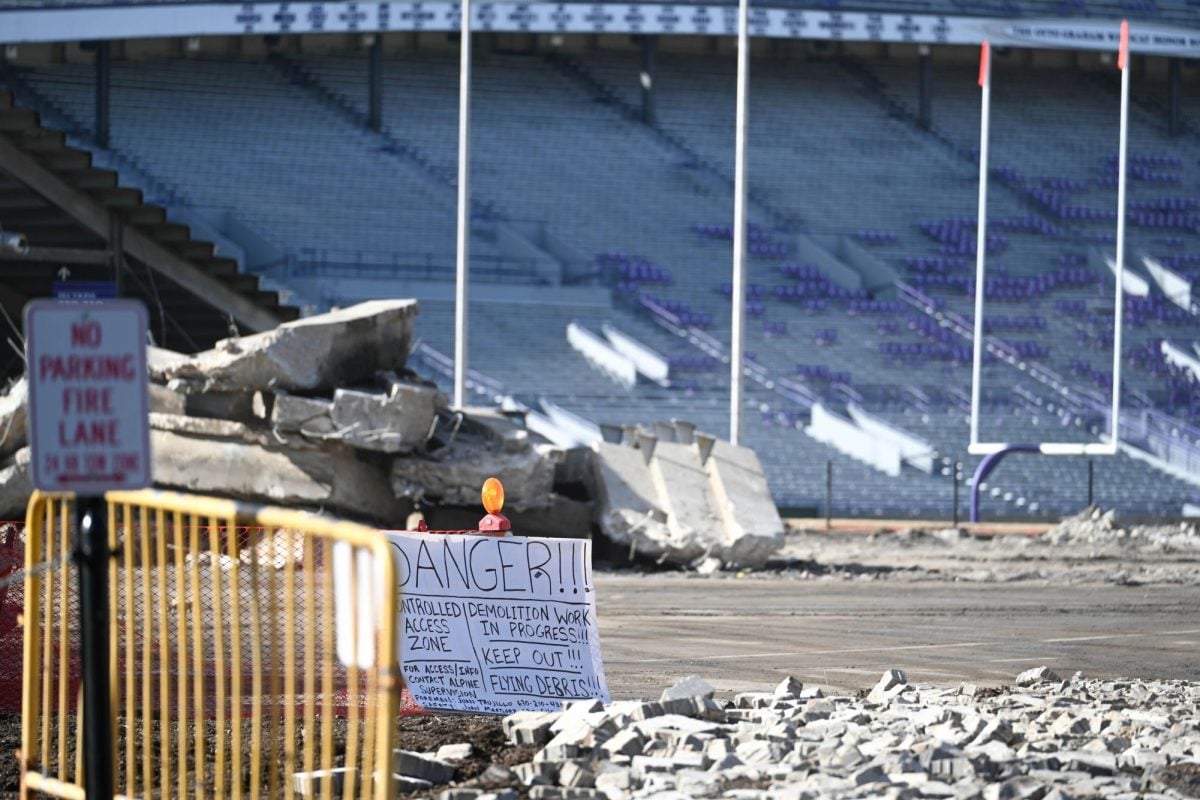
(494, 523)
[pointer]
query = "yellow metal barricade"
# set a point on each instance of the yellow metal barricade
(224, 644)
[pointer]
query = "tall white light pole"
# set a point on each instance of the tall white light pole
(1119, 308)
(464, 206)
(985, 85)
(738, 329)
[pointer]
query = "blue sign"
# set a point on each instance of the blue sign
(84, 290)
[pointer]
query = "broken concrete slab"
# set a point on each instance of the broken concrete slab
(13, 417)
(456, 475)
(752, 528)
(627, 509)
(329, 476)
(1032, 677)
(691, 686)
(528, 727)
(165, 401)
(206, 427)
(16, 485)
(454, 753)
(316, 353)
(683, 493)
(397, 422)
(704, 502)
(331, 781)
(160, 359)
(310, 416)
(417, 765)
(238, 406)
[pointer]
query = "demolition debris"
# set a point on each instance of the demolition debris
(322, 413)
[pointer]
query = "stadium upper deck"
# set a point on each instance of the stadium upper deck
(1161, 28)
(1183, 12)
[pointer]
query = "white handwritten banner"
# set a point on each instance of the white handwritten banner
(488, 624)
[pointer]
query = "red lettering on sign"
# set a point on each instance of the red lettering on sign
(85, 334)
(95, 433)
(87, 401)
(87, 368)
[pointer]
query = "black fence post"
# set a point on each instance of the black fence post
(92, 561)
(828, 495)
(1091, 481)
(956, 475)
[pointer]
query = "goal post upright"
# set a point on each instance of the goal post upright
(1119, 293)
(975, 446)
(985, 85)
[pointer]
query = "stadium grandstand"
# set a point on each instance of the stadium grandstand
(317, 156)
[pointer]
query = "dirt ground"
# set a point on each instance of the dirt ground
(421, 733)
(10, 742)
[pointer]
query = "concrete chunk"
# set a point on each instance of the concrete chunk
(13, 420)
(16, 485)
(627, 742)
(1031, 677)
(665, 500)
(311, 354)
(572, 775)
(691, 686)
(330, 476)
(535, 773)
(416, 765)
(454, 752)
(398, 422)
(455, 476)
(562, 793)
(789, 687)
(683, 493)
(305, 415)
(406, 784)
(627, 505)
(313, 784)
(752, 530)
(220, 405)
(890, 684)
(528, 727)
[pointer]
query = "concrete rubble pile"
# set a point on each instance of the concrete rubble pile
(321, 413)
(672, 493)
(1089, 547)
(317, 413)
(1095, 527)
(1043, 739)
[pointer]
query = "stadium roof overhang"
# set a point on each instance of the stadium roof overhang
(84, 20)
(87, 234)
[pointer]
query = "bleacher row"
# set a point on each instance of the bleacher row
(649, 205)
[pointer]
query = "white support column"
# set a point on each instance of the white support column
(738, 329)
(985, 85)
(1119, 294)
(464, 207)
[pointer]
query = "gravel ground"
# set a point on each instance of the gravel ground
(1039, 737)
(1042, 738)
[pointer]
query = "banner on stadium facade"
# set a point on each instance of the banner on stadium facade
(224, 19)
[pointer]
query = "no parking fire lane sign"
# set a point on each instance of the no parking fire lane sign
(88, 396)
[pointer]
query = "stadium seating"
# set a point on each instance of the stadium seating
(833, 151)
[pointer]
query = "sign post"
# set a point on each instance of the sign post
(89, 433)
